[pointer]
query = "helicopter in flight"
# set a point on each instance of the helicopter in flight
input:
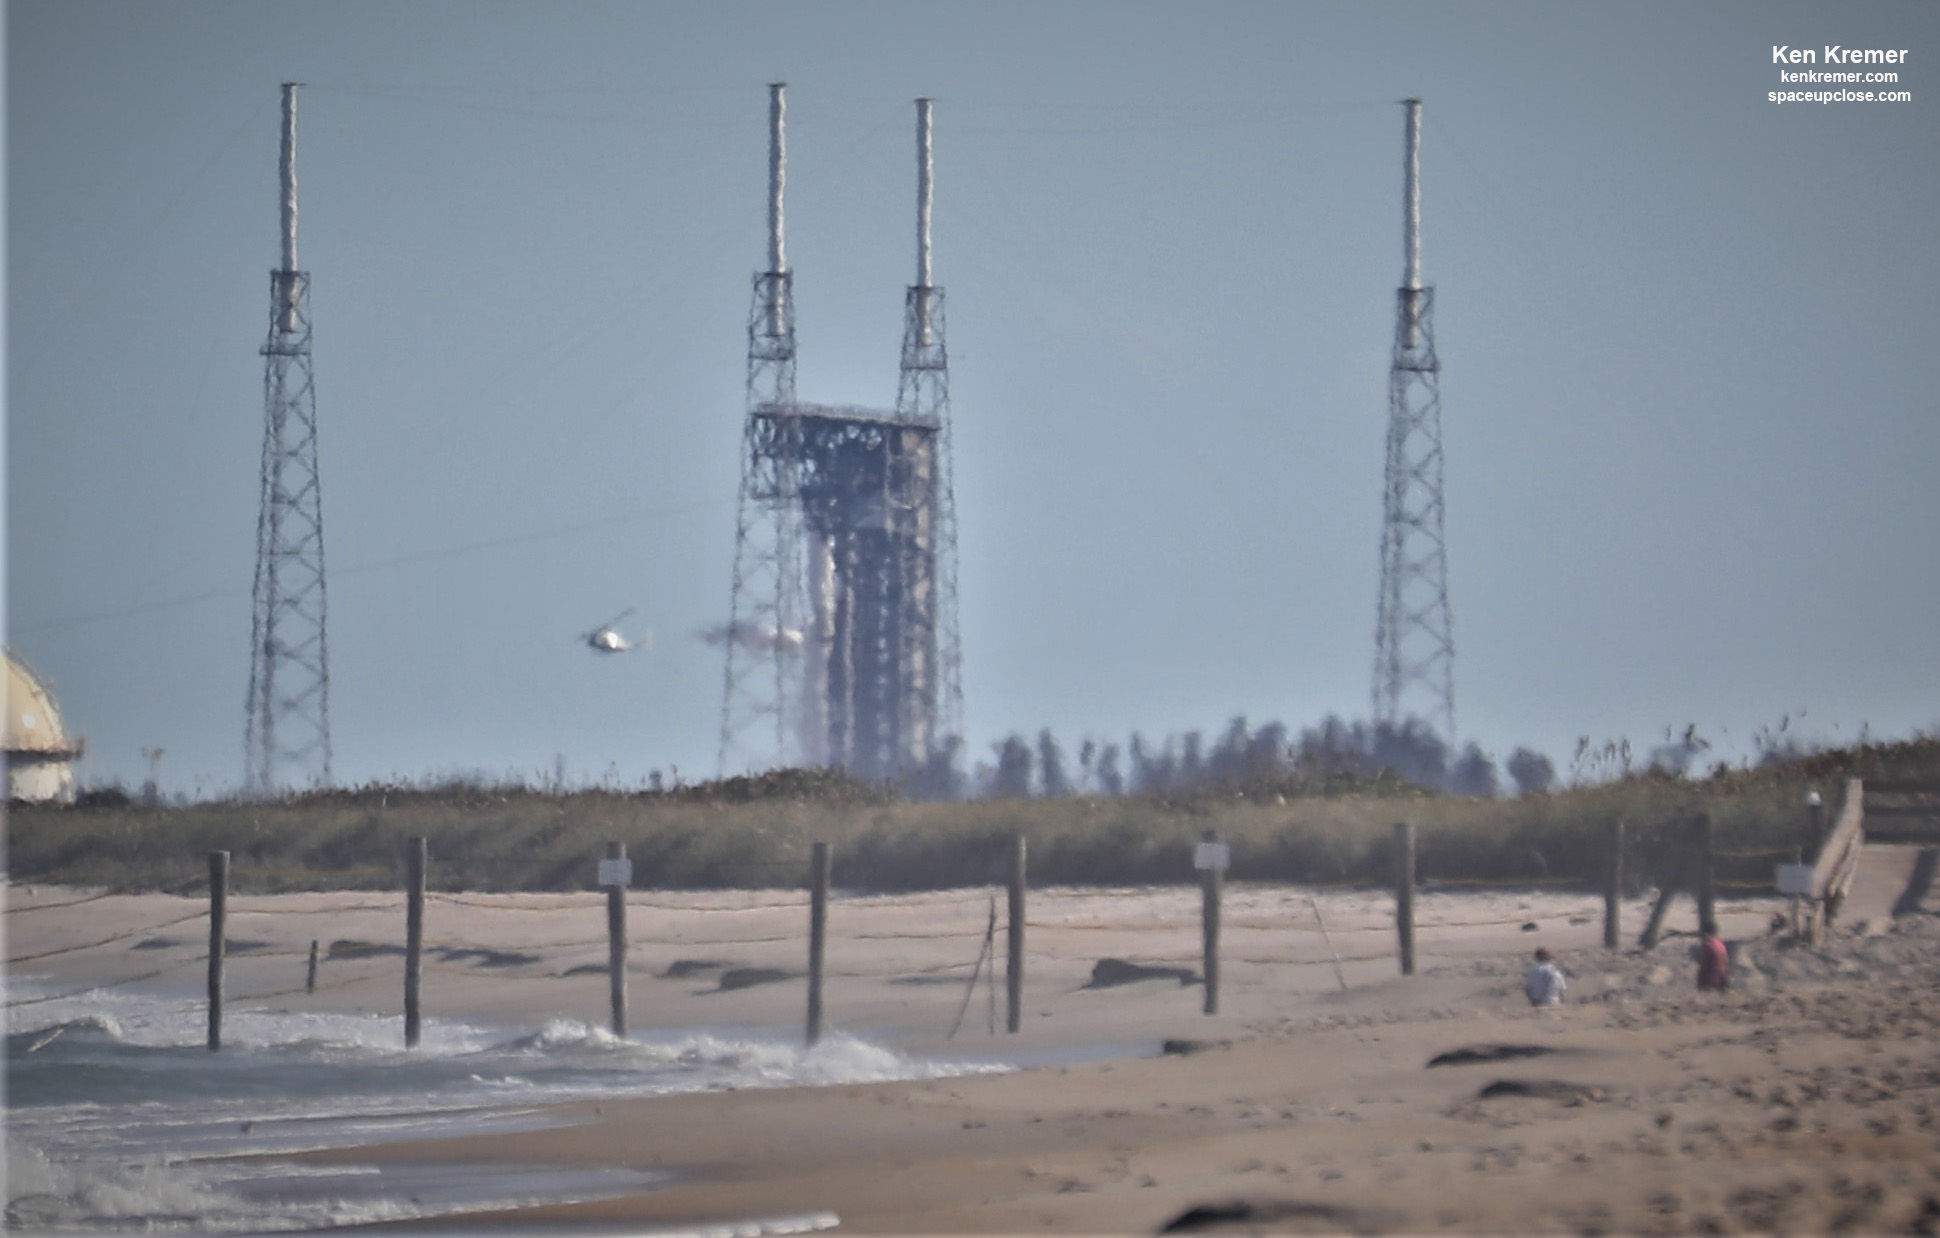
(606, 637)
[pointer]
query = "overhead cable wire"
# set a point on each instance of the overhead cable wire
(378, 565)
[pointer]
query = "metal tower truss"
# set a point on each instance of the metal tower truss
(1414, 656)
(771, 340)
(1415, 651)
(923, 398)
(762, 715)
(287, 740)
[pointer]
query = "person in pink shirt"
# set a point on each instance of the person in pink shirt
(1714, 960)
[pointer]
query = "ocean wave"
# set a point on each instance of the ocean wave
(98, 1028)
(162, 1195)
(149, 1195)
(709, 1059)
(117, 1113)
(564, 1036)
(157, 1022)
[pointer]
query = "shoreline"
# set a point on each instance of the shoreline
(1656, 1115)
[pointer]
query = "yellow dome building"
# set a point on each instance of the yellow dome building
(40, 756)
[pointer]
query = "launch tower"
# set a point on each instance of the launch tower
(842, 638)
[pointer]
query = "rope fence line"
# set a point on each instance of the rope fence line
(1270, 909)
(596, 900)
(860, 899)
(913, 936)
(73, 902)
(839, 973)
(105, 941)
(591, 904)
(1038, 923)
(1049, 924)
(299, 989)
(987, 951)
(592, 899)
(393, 905)
(91, 988)
(1430, 884)
(159, 972)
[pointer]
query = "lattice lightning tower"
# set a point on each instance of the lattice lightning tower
(841, 637)
(1414, 647)
(761, 712)
(287, 740)
(923, 396)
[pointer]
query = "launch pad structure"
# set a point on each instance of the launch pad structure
(842, 644)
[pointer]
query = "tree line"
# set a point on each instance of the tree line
(1334, 753)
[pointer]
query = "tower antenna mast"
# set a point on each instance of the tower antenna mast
(1414, 646)
(287, 737)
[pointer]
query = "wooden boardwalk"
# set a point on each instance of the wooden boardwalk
(1880, 858)
(1893, 879)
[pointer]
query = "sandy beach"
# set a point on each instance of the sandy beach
(1802, 1100)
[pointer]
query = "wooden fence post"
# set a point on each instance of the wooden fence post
(218, 921)
(616, 939)
(1807, 850)
(413, 937)
(1404, 894)
(818, 924)
(1701, 859)
(1327, 937)
(1655, 925)
(1210, 880)
(1014, 969)
(1613, 889)
(310, 977)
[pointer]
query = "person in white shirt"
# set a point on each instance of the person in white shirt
(1544, 982)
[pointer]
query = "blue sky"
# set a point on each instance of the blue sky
(1686, 334)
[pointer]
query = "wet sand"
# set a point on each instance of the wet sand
(1803, 1100)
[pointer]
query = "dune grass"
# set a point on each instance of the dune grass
(757, 833)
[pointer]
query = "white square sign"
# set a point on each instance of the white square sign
(616, 872)
(1216, 856)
